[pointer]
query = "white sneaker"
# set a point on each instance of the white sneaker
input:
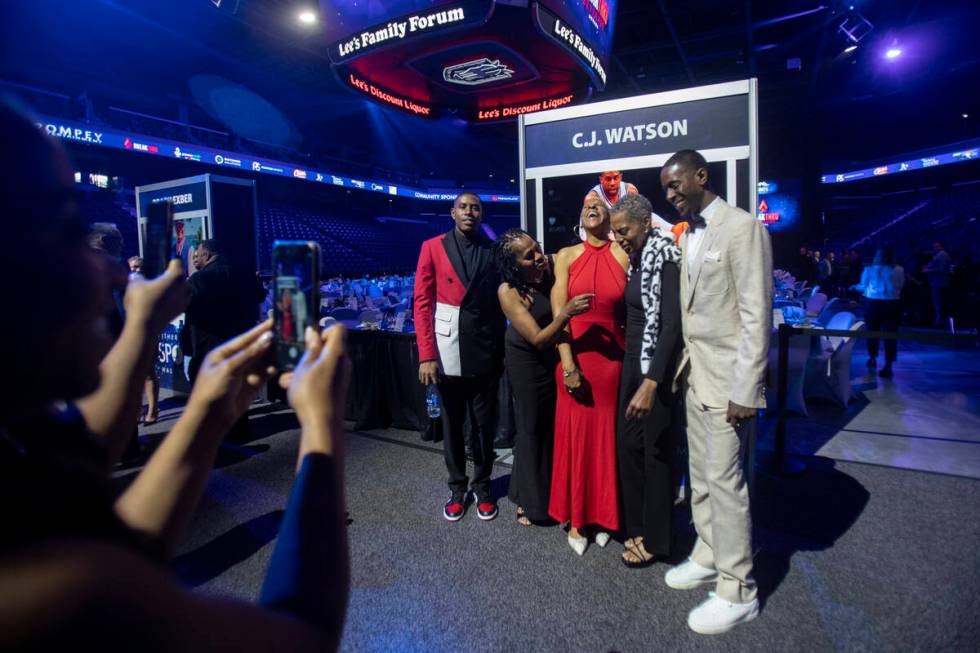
(578, 544)
(602, 539)
(689, 575)
(716, 615)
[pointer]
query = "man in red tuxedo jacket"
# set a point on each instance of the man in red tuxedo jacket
(459, 328)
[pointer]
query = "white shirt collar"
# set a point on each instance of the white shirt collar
(709, 210)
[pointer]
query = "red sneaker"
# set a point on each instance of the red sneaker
(454, 509)
(486, 510)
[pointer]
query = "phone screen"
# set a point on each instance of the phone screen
(295, 268)
(156, 244)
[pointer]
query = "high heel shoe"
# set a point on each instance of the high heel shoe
(602, 539)
(578, 544)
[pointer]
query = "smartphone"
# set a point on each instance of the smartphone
(296, 289)
(156, 241)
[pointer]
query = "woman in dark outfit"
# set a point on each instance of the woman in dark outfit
(530, 359)
(646, 403)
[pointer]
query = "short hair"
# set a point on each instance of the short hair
(467, 192)
(211, 245)
(691, 159)
(636, 207)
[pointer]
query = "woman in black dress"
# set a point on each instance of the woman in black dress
(530, 359)
(646, 403)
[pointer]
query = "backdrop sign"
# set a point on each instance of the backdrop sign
(186, 198)
(570, 153)
(700, 124)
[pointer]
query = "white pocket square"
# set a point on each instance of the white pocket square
(714, 257)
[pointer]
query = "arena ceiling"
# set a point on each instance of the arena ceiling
(277, 84)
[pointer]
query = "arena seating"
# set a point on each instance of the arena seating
(354, 245)
(915, 217)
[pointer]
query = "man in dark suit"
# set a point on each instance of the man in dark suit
(224, 302)
(459, 328)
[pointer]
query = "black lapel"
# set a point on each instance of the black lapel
(455, 257)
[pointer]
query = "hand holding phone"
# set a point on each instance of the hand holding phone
(296, 290)
(156, 244)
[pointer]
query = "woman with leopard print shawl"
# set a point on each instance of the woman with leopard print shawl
(646, 402)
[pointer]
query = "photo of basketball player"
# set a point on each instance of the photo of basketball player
(611, 187)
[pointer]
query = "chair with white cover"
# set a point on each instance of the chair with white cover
(798, 353)
(827, 312)
(828, 374)
(326, 322)
(807, 293)
(815, 304)
(840, 321)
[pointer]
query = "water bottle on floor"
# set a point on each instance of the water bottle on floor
(432, 404)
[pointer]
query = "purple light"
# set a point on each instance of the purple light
(893, 53)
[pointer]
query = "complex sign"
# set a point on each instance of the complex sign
(73, 132)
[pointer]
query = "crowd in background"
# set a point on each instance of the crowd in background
(937, 286)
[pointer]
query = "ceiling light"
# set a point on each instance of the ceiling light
(307, 17)
(966, 115)
(851, 48)
(893, 53)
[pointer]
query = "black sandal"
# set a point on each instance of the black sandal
(644, 562)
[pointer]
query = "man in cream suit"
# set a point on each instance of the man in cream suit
(726, 311)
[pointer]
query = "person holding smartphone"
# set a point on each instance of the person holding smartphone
(81, 567)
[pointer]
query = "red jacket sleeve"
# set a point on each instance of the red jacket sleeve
(425, 305)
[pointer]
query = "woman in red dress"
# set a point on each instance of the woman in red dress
(584, 483)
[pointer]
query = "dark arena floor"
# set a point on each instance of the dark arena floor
(873, 548)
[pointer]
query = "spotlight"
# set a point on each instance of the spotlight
(850, 48)
(966, 115)
(893, 53)
(307, 17)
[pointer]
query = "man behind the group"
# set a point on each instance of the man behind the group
(938, 272)
(459, 328)
(726, 311)
(224, 301)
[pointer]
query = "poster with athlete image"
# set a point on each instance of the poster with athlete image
(608, 149)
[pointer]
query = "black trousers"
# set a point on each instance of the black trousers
(644, 451)
(475, 397)
(882, 315)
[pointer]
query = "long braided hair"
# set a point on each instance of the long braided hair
(503, 254)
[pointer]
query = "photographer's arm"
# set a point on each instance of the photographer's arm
(162, 499)
(112, 411)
